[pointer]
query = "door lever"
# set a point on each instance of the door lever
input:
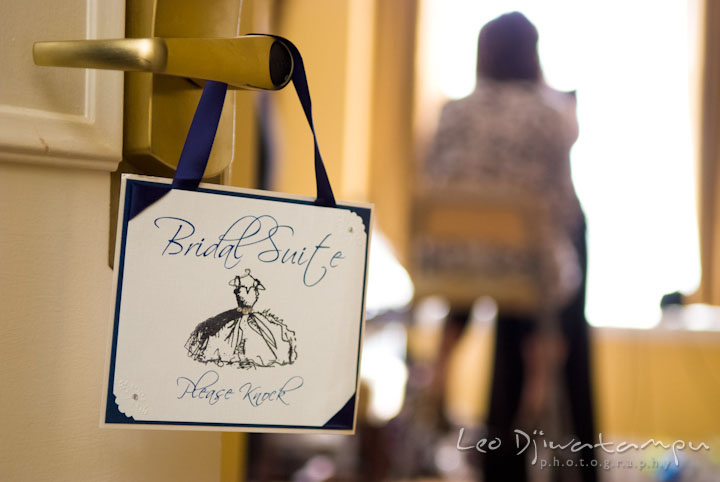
(247, 62)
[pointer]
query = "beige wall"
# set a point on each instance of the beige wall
(55, 287)
(709, 155)
(660, 384)
(318, 29)
(336, 41)
(391, 140)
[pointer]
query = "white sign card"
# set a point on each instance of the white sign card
(236, 310)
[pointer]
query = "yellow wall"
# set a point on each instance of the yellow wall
(658, 383)
(708, 178)
(319, 30)
(663, 384)
(392, 143)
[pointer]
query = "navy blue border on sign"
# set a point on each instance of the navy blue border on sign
(342, 420)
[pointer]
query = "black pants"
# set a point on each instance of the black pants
(504, 464)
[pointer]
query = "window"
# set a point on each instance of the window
(633, 164)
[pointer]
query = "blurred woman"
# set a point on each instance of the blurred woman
(510, 139)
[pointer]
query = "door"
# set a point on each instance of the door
(60, 138)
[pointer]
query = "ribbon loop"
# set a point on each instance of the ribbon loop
(200, 138)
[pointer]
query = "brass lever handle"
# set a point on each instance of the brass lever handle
(251, 61)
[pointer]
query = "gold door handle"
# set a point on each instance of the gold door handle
(250, 61)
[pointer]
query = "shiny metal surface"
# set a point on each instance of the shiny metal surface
(253, 61)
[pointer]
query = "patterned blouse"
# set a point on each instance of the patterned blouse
(512, 140)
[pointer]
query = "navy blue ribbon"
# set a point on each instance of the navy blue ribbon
(201, 135)
(200, 138)
(324, 191)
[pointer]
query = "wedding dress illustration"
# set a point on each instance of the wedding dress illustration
(242, 336)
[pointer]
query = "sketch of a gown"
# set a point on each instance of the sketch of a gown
(241, 336)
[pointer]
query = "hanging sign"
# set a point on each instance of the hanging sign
(235, 309)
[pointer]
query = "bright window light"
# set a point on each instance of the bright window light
(633, 164)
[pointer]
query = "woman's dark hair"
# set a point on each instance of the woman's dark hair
(507, 49)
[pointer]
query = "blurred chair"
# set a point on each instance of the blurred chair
(467, 245)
